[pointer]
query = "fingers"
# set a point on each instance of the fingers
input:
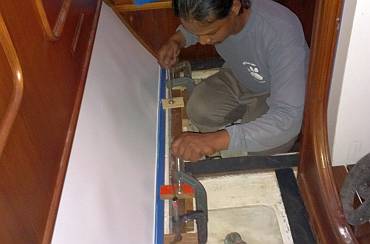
(188, 152)
(176, 147)
(191, 146)
(193, 154)
(168, 53)
(169, 61)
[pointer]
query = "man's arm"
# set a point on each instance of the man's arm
(167, 54)
(179, 38)
(190, 38)
(288, 68)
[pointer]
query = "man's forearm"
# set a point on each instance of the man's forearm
(179, 38)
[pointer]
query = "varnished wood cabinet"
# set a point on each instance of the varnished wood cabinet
(45, 48)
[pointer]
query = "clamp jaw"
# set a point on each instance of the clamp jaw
(185, 186)
(173, 80)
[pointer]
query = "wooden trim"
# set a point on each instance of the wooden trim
(62, 17)
(315, 176)
(57, 193)
(54, 33)
(147, 6)
(76, 36)
(187, 238)
(17, 93)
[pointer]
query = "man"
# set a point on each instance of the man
(262, 83)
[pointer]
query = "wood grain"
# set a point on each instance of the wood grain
(35, 156)
(315, 173)
(7, 119)
(187, 238)
(155, 26)
(53, 32)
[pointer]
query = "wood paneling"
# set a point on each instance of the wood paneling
(53, 16)
(315, 174)
(155, 27)
(35, 156)
(9, 107)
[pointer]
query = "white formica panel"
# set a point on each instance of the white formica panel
(109, 189)
(348, 111)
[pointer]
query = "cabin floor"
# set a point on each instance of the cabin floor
(249, 204)
(255, 196)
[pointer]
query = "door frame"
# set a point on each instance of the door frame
(315, 174)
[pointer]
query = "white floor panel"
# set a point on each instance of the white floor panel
(252, 202)
(255, 224)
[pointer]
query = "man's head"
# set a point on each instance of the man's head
(211, 20)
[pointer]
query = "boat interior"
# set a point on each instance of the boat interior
(88, 117)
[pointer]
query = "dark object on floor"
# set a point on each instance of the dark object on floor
(234, 238)
(357, 181)
(209, 63)
(227, 165)
(294, 207)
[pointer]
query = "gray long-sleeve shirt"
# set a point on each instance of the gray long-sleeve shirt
(269, 54)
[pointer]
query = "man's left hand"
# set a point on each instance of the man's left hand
(193, 146)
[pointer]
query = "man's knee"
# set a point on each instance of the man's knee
(201, 112)
(214, 103)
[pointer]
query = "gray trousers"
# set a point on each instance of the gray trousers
(219, 101)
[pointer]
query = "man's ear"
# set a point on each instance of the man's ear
(236, 7)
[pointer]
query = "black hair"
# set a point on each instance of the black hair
(205, 10)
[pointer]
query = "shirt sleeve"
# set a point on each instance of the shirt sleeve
(287, 62)
(190, 38)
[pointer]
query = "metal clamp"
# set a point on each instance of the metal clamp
(200, 215)
(174, 79)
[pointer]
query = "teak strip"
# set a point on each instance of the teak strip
(17, 93)
(187, 238)
(177, 116)
(53, 33)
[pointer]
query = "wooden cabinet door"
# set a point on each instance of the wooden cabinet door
(37, 134)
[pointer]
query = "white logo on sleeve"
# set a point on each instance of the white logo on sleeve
(254, 71)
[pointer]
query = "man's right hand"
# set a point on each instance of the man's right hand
(167, 54)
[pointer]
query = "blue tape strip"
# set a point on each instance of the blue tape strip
(159, 205)
(140, 2)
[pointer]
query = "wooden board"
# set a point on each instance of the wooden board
(177, 115)
(187, 238)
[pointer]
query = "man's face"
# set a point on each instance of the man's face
(210, 33)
